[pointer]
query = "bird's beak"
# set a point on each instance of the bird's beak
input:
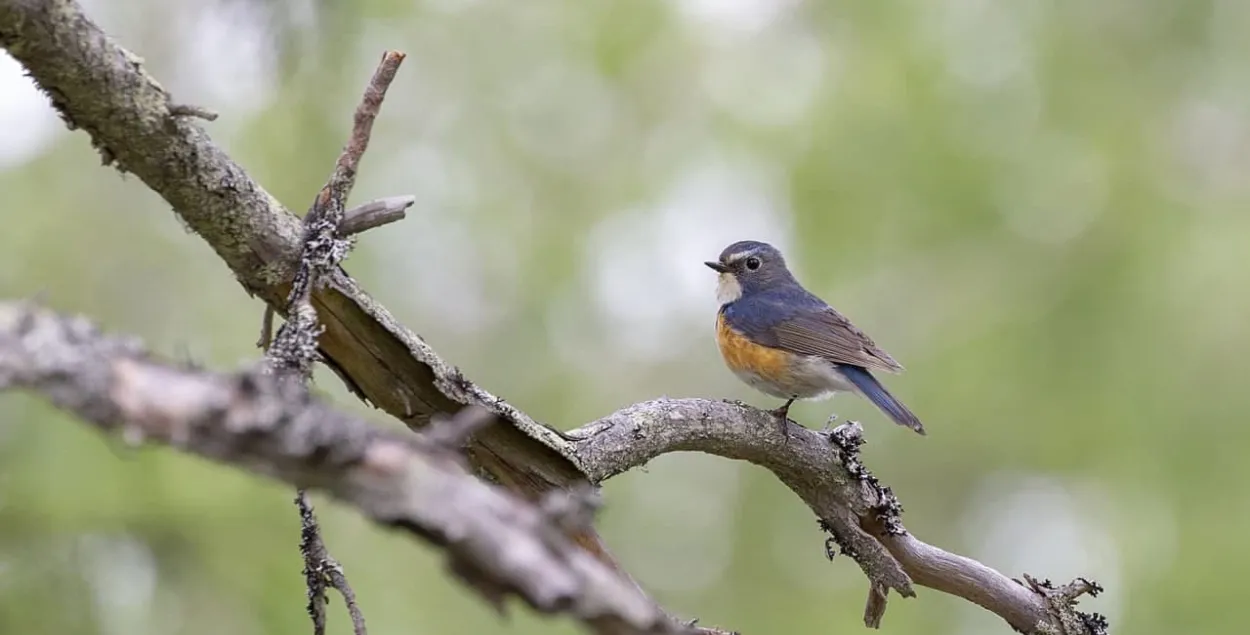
(716, 266)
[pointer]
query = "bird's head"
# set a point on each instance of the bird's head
(746, 267)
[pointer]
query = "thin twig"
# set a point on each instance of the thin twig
(266, 329)
(294, 349)
(322, 570)
(315, 556)
(338, 580)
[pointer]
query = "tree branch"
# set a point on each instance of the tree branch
(824, 469)
(498, 544)
(322, 570)
(295, 350)
(96, 85)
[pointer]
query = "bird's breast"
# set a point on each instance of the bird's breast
(743, 355)
(775, 371)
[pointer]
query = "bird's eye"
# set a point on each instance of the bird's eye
(753, 263)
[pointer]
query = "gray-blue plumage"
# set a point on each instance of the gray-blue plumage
(763, 301)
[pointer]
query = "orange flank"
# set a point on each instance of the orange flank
(743, 355)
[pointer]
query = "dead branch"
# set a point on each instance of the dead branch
(321, 570)
(498, 544)
(374, 214)
(295, 350)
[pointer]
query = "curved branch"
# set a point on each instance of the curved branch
(824, 470)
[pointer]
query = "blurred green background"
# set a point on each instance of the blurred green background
(1040, 209)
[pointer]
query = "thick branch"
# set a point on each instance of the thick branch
(497, 543)
(824, 470)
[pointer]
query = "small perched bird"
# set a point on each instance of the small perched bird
(785, 342)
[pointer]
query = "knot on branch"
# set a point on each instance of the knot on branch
(847, 439)
(1061, 605)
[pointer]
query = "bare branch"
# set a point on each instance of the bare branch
(295, 350)
(322, 570)
(295, 347)
(497, 543)
(334, 195)
(825, 471)
(377, 213)
(338, 580)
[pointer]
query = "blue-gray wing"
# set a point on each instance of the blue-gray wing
(826, 333)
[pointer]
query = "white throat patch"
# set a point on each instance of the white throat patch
(727, 288)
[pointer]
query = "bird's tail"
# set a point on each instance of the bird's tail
(880, 397)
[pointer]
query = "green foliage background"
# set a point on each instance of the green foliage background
(1039, 208)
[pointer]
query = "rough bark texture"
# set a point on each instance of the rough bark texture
(260, 421)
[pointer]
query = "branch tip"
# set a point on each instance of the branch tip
(874, 608)
(375, 214)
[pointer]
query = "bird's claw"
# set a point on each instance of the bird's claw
(782, 414)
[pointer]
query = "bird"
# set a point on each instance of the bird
(782, 340)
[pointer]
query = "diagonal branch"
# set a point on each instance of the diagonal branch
(497, 543)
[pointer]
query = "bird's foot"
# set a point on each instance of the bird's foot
(782, 414)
